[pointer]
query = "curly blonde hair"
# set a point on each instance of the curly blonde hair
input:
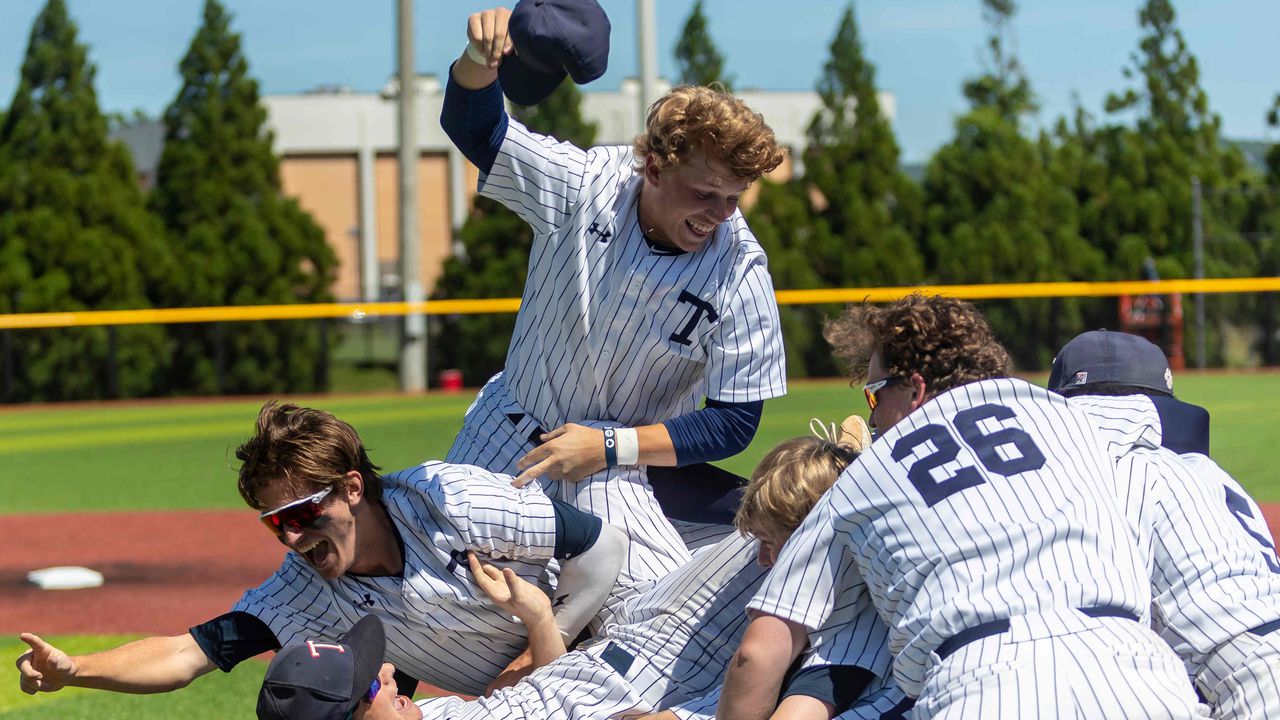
(946, 340)
(694, 118)
(787, 484)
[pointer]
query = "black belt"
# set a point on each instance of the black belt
(535, 435)
(1266, 628)
(617, 658)
(995, 627)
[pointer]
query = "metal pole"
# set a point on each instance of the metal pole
(1197, 248)
(413, 348)
(647, 45)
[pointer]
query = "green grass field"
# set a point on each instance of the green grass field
(175, 455)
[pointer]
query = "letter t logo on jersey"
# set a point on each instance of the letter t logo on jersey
(700, 307)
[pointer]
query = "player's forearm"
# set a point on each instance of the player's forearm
(472, 75)
(656, 447)
(586, 580)
(545, 641)
(756, 671)
(150, 665)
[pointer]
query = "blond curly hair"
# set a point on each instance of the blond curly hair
(787, 484)
(694, 118)
(946, 340)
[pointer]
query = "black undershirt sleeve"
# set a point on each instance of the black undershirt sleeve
(232, 637)
(576, 531)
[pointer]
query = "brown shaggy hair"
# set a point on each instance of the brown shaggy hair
(305, 448)
(944, 339)
(787, 484)
(692, 118)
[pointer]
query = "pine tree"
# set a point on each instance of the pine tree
(995, 213)
(1171, 135)
(698, 59)
(74, 231)
(860, 229)
(240, 241)
(494, 259)
(1267, 229)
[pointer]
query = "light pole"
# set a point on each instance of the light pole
(413, 347)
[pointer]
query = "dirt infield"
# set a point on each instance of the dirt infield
(165, 571)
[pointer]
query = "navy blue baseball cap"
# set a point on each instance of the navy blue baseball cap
(319, 680)
(1100, 356)
(552, 39)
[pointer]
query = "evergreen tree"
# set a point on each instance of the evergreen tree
(494, 255)
(698, 59)
(74, 231)
(1171, 135)
(995, 212)
(1267, 226)
(863, 209)
(240, 241)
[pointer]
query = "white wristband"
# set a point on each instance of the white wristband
(628, 446)
(476, 56)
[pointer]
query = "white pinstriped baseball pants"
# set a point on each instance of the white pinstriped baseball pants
(1109, 668)
(1241, 679)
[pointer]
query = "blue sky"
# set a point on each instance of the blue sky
(923, 50)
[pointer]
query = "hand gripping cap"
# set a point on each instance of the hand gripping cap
(553, 38)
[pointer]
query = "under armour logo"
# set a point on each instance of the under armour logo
(700, 307)
(456, 558)
(368, 601)
(604, 233)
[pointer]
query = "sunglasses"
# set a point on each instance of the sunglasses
(297, 515)
(368, 697)
(870, 389)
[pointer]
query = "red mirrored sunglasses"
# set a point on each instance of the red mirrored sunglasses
(297, 515)
(870, 389)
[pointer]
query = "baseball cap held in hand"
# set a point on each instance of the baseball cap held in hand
(553, 38)
(318, 680)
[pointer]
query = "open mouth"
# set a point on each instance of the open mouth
(315, 553)
(699, 229)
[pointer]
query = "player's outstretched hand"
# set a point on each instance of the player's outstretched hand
(570, 452)
(509, 591)
(487, 33)
(43, 668)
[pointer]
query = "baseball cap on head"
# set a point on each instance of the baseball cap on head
(1099, 356)
(318, 680)
(553, 38)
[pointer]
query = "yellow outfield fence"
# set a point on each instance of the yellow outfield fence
(361, 311)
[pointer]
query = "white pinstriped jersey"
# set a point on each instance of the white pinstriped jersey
(993, 499)
(441, 628)
(680, 636)
(614, 328)
(1214, 570)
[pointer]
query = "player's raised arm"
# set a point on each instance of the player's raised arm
(487, 44)
(518, 597)
(151, 665)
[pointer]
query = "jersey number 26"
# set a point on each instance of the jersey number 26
(982, 443)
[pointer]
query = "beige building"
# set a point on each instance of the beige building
(339, 157)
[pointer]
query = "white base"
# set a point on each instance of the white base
(65, 577)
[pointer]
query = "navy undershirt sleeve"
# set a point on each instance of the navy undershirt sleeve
(715, 432)
(576, 531)
(475, 120)
(839, 685)
(232, 637)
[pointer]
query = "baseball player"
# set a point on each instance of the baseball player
(670, 645)
(982, 523)
(363, 544)
(1214, 572)
(646, 291)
